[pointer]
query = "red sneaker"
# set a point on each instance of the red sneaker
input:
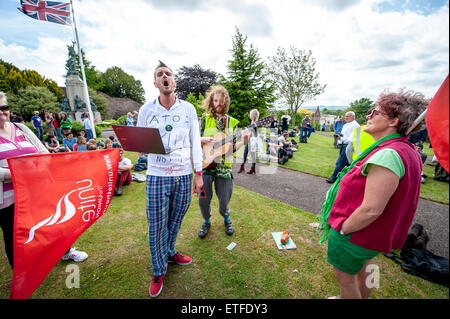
(180, 259)
(156, 286)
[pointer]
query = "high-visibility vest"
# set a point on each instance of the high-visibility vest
(211, 130)
(361, 141)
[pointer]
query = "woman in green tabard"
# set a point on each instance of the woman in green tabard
(215, 119)
(371, 205)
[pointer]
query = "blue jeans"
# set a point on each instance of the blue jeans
(303, 133)
(39, 132)
(89, 134)
(310, 130)
(341, 161)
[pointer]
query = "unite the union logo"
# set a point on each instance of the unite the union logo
(62, 215)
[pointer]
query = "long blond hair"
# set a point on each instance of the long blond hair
(208, 103)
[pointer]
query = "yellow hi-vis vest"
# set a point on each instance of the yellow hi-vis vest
(211, 130)
(361, 141)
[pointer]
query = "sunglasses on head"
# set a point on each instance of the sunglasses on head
(4, 107)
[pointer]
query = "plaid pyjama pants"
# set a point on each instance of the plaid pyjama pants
(168, 199)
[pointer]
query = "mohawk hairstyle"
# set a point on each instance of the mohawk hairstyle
(161, 65)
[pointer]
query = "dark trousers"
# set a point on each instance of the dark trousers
(253, 155)
(7, 225)
(341, 161)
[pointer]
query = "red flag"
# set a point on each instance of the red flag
(57, 197)
(437, 124)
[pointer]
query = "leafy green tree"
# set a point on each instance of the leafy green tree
(195, 80)
(120, 84)
(12, 79)
(248, 87)
(33, 98)
(361, 107)
(295, 77)
(196, 103)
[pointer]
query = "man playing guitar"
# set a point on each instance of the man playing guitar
(216, 120)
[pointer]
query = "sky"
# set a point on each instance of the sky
(361, 47)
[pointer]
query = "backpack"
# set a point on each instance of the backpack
(423, 263)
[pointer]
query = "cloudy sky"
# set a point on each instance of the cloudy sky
(361, 46)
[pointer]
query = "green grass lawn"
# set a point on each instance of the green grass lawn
(119, 258)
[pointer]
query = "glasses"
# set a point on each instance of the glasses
(4, 108)
(374, 112)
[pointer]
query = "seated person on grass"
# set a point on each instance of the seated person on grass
(108, 144)
(92, 144)
(52, 144)
(124, 174)
(80, 145)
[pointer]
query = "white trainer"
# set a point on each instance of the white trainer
(75, 255)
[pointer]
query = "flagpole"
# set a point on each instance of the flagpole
(86, 92)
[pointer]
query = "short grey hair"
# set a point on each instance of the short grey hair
(351, 113)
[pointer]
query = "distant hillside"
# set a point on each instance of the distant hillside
(329, 107)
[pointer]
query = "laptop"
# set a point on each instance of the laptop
(140, 139)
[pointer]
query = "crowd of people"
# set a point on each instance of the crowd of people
(368, 210)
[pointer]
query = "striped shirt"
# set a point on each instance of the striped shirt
(16, 146)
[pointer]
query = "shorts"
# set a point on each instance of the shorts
(346, 256)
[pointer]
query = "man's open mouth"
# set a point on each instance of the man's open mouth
(166, 83)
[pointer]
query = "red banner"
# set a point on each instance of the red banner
(57, 197)
(437, 124)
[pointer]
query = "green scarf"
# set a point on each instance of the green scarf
(331, 195)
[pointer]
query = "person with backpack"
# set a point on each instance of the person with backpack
(372, 203)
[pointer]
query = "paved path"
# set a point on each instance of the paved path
(307, 192)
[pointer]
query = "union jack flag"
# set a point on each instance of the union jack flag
(57, 12)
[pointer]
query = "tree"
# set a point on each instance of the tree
(33, 98)
(361, 108)
(295, 77)
(120, 84)
(246, 84)
(194, 80)
(12, 79)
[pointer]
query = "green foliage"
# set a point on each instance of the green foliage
(246, 84)
(196, 103)
(12, 79)
(33, 98)
(118, 83)
(121, 120)
(193, 80)
(361, 107)
(295, 77)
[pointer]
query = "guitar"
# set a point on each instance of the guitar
(223, 145)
